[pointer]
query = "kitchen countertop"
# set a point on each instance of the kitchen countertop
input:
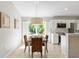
(72, 33)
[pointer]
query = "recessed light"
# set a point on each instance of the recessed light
(65, 9)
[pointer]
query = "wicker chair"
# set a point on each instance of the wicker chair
(25, 41)
(37, 45)
(45, 43)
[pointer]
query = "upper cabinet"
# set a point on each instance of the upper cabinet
(77, 25)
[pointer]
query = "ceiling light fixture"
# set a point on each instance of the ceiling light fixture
(37, 19)
(36, 8)
(66, 9)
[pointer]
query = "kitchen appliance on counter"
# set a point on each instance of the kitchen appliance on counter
(72, 28)
(61, 25)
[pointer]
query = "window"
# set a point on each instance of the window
(32, 29)
(36, 28)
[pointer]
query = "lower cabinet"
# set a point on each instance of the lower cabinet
(64, 45)
(55, 38)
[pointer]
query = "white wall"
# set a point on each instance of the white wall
(9, 8)
(48, 30)
(26, 28)
(10, 38)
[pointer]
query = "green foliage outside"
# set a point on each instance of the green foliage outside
(32, 29)
(40, 28)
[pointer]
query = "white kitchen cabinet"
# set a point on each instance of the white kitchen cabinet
(77, 21)
(51, 37)
(55, 38)
(64, 45)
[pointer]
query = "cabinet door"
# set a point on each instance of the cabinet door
(77, 24)
(55, 38)
(64, 45)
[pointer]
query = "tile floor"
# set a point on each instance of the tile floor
(54, 51)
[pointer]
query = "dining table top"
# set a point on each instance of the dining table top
(29, 38)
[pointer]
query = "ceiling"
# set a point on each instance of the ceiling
(47, 8)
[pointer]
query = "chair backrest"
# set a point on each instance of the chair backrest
(46, 37)
(37, 44)
(25, 38)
